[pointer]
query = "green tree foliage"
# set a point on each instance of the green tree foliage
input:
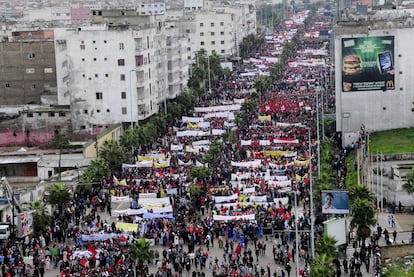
(363, 217)
(59, 195)
(408, 185)
(262, 85)
(95, 171)
(139, 251)
(249, 44)
(322, 266)
(114, 154)
(361, 192)
(200, 173)
(41, 217)
(326, 245)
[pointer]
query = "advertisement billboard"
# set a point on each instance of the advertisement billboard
(24, 223)
(336, 228)
(368, 63)
(335, 202)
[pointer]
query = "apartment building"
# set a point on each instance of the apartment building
(113, 71)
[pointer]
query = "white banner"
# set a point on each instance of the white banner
(246, 142)
(221, 199)
(248, 164)
(187, 119)
(131, 211)
(201, 142)
(280, 184)
(285, 140)
(249, 190)
(234, 217)
(154, 202)
(177, 147)
(147, 195)
(217, 132)
(160, 210)
(235, 107)
(264, 142)
(257, 198)
(120, 199)
(192, 133)
(283, 200)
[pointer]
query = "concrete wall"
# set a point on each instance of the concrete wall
(396, 251)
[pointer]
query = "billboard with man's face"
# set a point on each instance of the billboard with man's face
(368, 63)
(335, 202)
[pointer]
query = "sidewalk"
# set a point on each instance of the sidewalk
(404, 222)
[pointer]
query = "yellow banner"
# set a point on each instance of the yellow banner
(265, 118)
(302, 163)
(277, 153)
(301, 178)
(192, 125)
(161, 165)
(127, 227)
(142, 158)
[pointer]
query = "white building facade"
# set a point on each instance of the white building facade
(111, 73)
(375, 89)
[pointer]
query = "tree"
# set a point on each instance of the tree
(326, 245)
(262, 84)
(114, 154)
(139, 251)
(200, 173)
(322, 266)
(363, 216)
(408, 185)
(59, 196)
(41, 217)
(60, 142)
(361, 192)
(95, 171)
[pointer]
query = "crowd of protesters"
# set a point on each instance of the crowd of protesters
(245, 207)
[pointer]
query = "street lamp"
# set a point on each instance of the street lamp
(130, 96)
(296, 235)
(209, 75)
(312, 217)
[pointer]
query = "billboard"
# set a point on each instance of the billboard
(335, 202)
(25, 223)
(368, 63)
(336, 228)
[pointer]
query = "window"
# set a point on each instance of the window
(48, 70)
(7, 85)
(99, 96)
(30, 71)
(201, 24)
(201, 34)
(188, 49)
(83, 59)
(221, 23)
(212, 24)
(222, 42)
(93, 41)
(85, 111)
(82, 46)
(123, 95)
(62, 114)
(29, 115)
(121, 46)
(94, 59)
(33, 86)
(107, 110)
(222, 33)
(121, 62)
(104, 41)
(202, 43)
(98, 111)
(187, 31)
(223, 51)
(213, 42)
(51, 114)
(83, 75)
(31, 56)
(96, 75)
(106, 75)
(122, 77)
(124, 110)
(212, 33)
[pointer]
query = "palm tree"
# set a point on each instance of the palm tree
(408, 185)
(41, 217)
(262, 84)
(326, 245)
(59, 196)
(139, 251)
(322, 266)
(95, 171)
(363, 217)
(114, 154)
(361, 192)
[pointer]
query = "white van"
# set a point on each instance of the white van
(4, 232)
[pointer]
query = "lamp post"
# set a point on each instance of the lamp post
(296, 235)
(312, 217)
(209, 74)
(130, 97)
(318, 135)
